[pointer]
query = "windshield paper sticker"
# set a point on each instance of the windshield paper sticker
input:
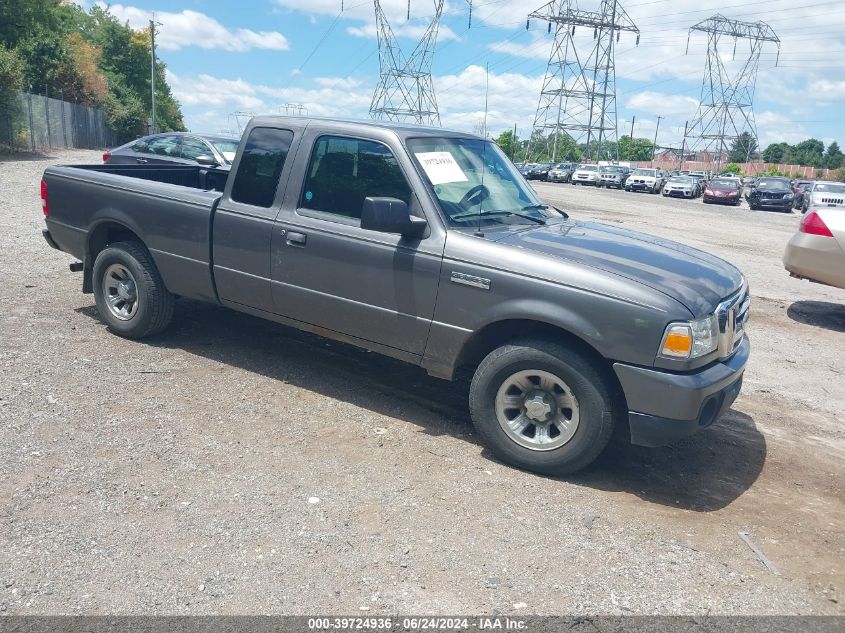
(440, 167)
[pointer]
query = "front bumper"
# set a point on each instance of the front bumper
(641, 186)
(678, 193)
(725, 199)
(781, 203)
(665, 406)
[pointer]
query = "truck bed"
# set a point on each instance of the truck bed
(194, 176)
(166, 207)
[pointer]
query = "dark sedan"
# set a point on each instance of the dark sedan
(771, 193)
(541, 171)
(175, 148)
(723, 191)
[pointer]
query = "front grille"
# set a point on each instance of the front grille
(833, 201)
(732, 315)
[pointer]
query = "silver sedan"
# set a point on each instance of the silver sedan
(817, 251)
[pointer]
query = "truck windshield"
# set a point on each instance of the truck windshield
(476, 184)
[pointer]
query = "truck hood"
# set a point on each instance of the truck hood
(696, 279)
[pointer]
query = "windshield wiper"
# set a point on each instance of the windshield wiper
(493, 213)
(545, 206)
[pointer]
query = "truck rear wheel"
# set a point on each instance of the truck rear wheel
(130, 294)
(542, 406)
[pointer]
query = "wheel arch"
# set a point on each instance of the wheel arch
(102, 233)
(500, 332)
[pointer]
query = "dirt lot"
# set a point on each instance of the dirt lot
(235, 466)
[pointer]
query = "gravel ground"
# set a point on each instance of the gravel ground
(235, 466)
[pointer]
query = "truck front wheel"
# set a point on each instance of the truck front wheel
(542, 406)
(130, 294)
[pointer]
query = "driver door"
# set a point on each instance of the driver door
(329, 272)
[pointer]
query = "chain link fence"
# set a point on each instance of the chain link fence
(39, 123)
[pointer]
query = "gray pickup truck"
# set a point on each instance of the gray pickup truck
(428, 246)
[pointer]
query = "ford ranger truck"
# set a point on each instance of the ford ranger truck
(427, 246)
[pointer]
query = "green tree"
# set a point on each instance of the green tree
(90, 58)
(11, 81)
(638, 149)
(507, 142)
(743, 148)
(834, 158)
(809, 152)
(732, 168)
(777, 153)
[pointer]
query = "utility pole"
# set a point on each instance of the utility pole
(153, 74)
(631, 140)
(683, 146)
(654, 144)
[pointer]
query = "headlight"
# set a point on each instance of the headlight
(789, 196)
(708, 192)
(690, 339)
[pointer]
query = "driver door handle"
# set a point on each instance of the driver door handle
(292, 238)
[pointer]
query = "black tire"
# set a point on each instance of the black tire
(599, 408)
(155, 303)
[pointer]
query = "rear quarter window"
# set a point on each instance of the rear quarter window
(258, 173)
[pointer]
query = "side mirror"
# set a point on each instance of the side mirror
(390, 215)
(206, 159)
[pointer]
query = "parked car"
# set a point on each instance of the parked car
(771, 193)
(723, 191)
(428, 246)
(825, 193)
(585, 175)
(817, 251)
(562, 172)
(175, 148)
(701, 177)
(800, 188)
(613, 176)
(525, 169)
(540, 171)
(682, 187)
(645, 179)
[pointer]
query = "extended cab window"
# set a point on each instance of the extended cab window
(261, 165)
(344, 171)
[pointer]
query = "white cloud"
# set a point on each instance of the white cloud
(411, 30)
(827, 91)
(677, 106)
(190, 28)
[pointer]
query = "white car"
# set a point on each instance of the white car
(585, 175)
(650, 180)
(682, 186)
(825, 194)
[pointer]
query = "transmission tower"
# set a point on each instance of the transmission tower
(577, 104)
(726, 109)
(405, 91)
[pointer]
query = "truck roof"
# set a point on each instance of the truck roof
(403, 130)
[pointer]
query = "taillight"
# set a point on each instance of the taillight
(814, 225)
(106, 156)
(44, 206)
